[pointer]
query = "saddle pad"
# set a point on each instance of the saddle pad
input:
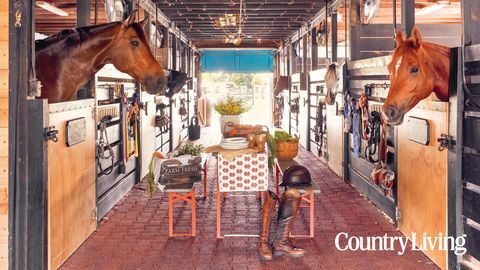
(248, 172)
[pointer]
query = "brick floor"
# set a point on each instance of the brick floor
(134, 235)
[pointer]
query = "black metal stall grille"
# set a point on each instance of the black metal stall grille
(113, 182)
(470, 211)
(371, 76)
(317, 143)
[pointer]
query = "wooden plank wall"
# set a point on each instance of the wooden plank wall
(377, 39)
(3, 134)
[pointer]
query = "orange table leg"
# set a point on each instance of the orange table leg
(219, 200)
(277, 176)
(170, 214)
(194, 213)
(312, 214)
(205, 180)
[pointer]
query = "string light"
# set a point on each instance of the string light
(226, 22)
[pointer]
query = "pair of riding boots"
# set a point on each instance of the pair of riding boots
(287, 211)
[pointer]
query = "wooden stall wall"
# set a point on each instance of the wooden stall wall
(422, 176)
(375, 40)
(4, 134)
(71, 181)
(371, 74)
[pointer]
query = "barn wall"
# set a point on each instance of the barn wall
(3, 134)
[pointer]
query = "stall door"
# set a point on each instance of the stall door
(71, 180)
(422, 178)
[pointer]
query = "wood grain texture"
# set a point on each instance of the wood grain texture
(3, 84)
(422, 182)
(3, 113)
(71, 188)
(335, 137)
(4, 134)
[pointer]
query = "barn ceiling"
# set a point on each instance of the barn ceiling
(266, 21)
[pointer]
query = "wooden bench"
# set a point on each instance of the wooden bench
(307, 191)
(186, 193)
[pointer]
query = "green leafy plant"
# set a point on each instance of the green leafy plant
(282, 136)
(190, 149)
(231, 106)
(271, 143)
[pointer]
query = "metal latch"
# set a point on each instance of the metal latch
(51, 134)
(446, 142)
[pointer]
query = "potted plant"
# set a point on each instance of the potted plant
(230, 109)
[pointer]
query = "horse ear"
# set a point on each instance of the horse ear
(416, 37)
(400, 38)
(145, 21)
(131, 19)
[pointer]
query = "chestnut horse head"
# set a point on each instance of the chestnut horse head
(417, 69)
(67, 60)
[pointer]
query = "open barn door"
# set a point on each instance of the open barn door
(422, 176)
(71, 179)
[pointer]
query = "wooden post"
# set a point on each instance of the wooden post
(408, 16)
(83, 19)
(334, 37)
(354, 22)
(314, 48)
(27, 153)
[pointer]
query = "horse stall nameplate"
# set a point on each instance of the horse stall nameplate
(418, 130)
(76, 131)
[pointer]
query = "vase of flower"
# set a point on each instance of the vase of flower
(230, 110)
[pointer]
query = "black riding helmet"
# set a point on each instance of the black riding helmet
(296, 175)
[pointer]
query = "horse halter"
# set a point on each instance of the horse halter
(104, 144)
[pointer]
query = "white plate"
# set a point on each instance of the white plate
(234, 146)
(235, 140)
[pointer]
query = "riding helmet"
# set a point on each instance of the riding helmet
(296, 175)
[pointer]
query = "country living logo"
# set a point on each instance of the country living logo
(344, 242)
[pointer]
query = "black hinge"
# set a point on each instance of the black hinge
(446, 142)
(50, 134)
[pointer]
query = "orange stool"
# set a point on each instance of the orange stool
(308, 193)
(184, 193)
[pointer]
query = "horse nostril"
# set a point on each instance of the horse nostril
(162, 83)
(391, 112)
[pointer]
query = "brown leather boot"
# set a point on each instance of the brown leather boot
(264, 248)
(287, 211)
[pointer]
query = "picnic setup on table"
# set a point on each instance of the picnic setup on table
(196, 134)
(249, 161)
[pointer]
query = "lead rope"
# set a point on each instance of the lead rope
(104, 144)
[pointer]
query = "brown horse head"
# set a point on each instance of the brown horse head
(130, 53)
(67, 60)
(417, 69)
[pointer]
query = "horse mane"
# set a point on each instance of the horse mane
(71, 37)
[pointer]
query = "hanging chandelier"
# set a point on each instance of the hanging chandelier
(232, 20)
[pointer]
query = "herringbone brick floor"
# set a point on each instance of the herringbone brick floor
(134, 235)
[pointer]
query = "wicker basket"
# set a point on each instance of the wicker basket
(286, 150)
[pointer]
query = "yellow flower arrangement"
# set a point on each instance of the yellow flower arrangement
(231, 106)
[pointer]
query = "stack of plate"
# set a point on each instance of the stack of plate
(234, 143)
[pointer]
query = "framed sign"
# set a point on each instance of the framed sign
(76, 131)
(418, 130)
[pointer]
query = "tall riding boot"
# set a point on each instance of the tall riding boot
(287, 211)
(264, 248)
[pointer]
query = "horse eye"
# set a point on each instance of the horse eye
(414, 70)
(135, 43)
